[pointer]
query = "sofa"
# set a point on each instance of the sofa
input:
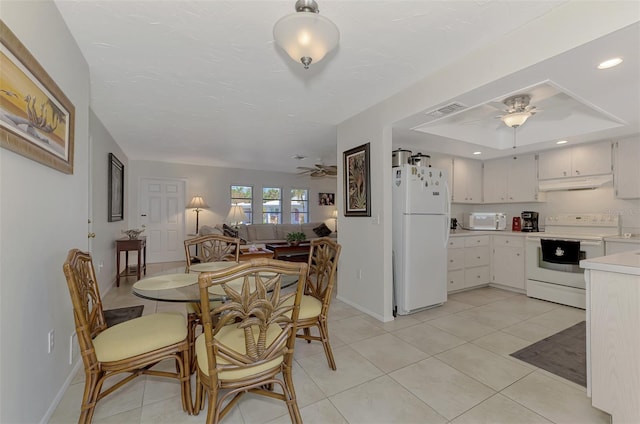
(261, 234)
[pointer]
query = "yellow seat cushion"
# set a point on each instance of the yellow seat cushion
(233, 337)
(140, 335)
(310, 307)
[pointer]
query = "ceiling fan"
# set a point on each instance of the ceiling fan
(518, 110)
(320, 170)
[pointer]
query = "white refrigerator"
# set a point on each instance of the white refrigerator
(421, 216)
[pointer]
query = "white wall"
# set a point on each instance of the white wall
(103, 245)
(43, 214)
(565, 27)
(214, 184)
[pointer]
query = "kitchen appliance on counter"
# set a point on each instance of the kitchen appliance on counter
(485, 221)
(516, 224)
(420, 223)
(400, 157)
(420, 160)
(529, 222)
(454, 224)
(553, 256)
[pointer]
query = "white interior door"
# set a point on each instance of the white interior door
(161, 211)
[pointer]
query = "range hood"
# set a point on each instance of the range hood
(575, 183)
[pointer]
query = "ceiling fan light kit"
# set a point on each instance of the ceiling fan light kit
(518, 110)
(305, 35)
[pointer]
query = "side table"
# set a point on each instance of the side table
(126, 245)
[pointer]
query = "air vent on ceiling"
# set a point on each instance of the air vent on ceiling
(446, 110)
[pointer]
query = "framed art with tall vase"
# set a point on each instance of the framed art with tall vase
(116, 189)
(37, 118)
(357, 182)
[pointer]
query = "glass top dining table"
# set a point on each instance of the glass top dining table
(184, 287)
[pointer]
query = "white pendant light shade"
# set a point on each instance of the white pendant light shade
(306, 36)
(516, 119)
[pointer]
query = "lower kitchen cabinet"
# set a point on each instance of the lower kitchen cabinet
(468, 262)
(508, 261)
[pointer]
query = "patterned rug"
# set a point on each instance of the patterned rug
(116, 316)
(563, 354)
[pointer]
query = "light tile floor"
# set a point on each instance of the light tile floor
(447, 364)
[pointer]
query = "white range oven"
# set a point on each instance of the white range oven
(553, 256)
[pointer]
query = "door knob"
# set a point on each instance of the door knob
(91, 235)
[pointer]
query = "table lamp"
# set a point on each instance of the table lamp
(236, 215)
(334, 215)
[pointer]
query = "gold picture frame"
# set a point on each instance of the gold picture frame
(36, 119)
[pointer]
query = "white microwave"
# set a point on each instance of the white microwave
(490, 221)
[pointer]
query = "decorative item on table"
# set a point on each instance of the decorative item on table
(133, 233)
(295, 238)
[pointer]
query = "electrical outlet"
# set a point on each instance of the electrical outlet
(51, 339)
(100, 266)
(73, 347)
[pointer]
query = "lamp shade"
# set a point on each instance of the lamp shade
(306, 36)
(197, 203)
(516, 119)
(236, 215)
(334, 214)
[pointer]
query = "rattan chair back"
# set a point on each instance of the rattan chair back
(211, 248)
(259, 312)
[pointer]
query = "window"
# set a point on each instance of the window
(299, 206)
(271, 205)
(243, 196)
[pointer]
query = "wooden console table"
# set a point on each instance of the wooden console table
(126, 245)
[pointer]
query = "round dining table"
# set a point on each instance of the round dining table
(184, 287)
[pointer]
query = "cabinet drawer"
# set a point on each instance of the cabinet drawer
(455, 280)
(476, 241)
(455, 242)
(507, 241)
(455, 258)
(476, 276)
(476, 256)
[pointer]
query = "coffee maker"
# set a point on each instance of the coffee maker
(529, 221)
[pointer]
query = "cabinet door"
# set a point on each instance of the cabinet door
(455, 280)
(591, 159)
(508, 266)
(522, 181)
(627, 171)
(467, 180)
(495, 180)
(554, 164)
(476, 276)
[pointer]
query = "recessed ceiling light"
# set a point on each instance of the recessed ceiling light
(477, 153)
(610, 63)
(561, 142)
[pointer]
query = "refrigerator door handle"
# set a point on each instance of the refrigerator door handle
(448, 215)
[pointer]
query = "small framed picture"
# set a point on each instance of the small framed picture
(326, 199)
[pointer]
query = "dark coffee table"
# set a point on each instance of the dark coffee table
(286, 252)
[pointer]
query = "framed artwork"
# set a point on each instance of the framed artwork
(36, 118)
(116, 189)
(326, 199)
(357, 183)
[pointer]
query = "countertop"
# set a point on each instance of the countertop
(622, 263)
(633, 239)
(466, 233)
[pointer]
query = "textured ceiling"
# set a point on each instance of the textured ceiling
(202, 82)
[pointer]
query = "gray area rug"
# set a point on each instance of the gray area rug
(116, 316)
(563, 354)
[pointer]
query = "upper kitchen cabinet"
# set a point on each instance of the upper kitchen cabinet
(467, 181)
(627, 170)
(511, 179)
(578, 161)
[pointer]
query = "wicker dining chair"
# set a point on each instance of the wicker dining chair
(213, 247)
(314, 306)
(133, 346)
(250, 347)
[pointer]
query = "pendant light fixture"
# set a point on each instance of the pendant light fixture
(305, 35)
